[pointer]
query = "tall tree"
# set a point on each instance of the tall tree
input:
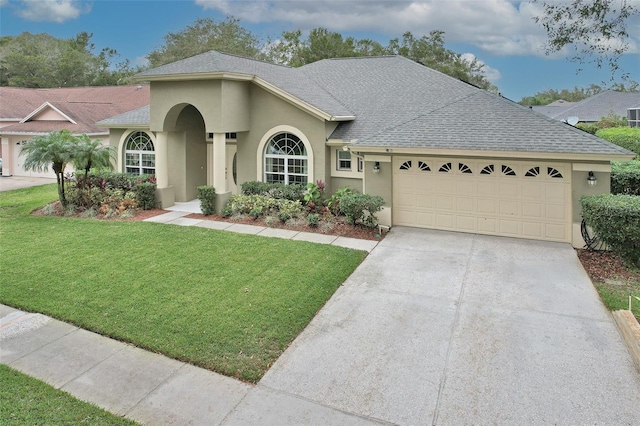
(206, 34)
(41, 60)
(595, 30)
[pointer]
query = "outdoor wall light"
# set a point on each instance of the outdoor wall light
(591, 180)
(376, 167)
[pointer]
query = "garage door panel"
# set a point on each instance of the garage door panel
(509, 208)
(533, 229)
(465, 204)
(533, 210)
(509, 190)
(556, 211)
(466, 223)
(425, 201)
(556, 232)
(445, 221)
(510, 198)
(509, 227)
(444, 202)
(488, 206)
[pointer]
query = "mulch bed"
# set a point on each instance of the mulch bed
(340, 227)
(603, 266)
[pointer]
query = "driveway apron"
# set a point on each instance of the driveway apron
(449, 328)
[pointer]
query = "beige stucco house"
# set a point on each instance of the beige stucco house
(26, 113)
(442, 153)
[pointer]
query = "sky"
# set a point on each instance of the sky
(499, 33)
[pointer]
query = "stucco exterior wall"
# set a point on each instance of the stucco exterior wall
(191, 136)
(340, 182)
(267, 112)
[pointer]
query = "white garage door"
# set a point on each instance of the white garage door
(18, 162)
(496, 197)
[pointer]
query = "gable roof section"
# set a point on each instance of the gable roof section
(289, 83)
(594, 107)
(80, 107)
(486, 122)
(140, 117)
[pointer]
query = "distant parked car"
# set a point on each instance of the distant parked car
(0, 166)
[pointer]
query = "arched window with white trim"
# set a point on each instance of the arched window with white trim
(139, 154)
(285, 160)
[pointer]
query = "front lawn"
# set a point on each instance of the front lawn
(27, 401)
(227, 302)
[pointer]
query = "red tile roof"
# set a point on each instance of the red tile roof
(84, 105)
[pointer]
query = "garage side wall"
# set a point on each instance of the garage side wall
(580, 188)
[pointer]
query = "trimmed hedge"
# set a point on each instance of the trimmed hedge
(207, 197)
(361, 208)
(293, 192)
(626, 137)
(615, 219)
(263, 205)
(625, 177)
(146, 195)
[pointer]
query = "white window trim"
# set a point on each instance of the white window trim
(339, 160)
(284, 129)
(353, 173)
(122, 166)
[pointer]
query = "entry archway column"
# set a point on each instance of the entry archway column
(164, 193)
(219, 170)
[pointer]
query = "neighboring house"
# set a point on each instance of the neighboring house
(442, 153)
(26, 113)
(593, 108)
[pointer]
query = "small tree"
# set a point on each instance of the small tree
(91, 153)
(56, 149)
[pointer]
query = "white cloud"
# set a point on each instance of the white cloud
(3, 2)
(57, 11)
(491, 74)
(499, 27)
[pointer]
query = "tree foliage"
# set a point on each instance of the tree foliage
(41, 60)
(294, 50)
(575, 95)
(206, 34)
(595, 30)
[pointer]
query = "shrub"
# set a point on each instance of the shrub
(626, 137)
(291, 192)
(313, 219)
(264, 205)
(146, 195)
(333, 203)
(207, 197)
(313, 194)
(362, 208)
(615, 219)
(587, 127)
(625, 177)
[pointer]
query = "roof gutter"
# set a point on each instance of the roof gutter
(567, 156)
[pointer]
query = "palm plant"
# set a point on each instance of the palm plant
(56, 149)
(92, 153)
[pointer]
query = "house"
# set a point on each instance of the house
(593, 108)
(25, 113)
(442, 153)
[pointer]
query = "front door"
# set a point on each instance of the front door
(231, 173)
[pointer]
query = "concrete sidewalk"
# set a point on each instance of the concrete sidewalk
(178, 218)
(143, 386)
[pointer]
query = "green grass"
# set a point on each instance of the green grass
(616, 297)
(27, 401)
(227, 302)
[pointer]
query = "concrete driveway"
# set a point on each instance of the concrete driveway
(8, 183)
(449, 328)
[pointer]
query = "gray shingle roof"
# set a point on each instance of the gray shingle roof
(383, 91)
(137, 117)
(487, 122)
(291, 80)
(595, 107)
